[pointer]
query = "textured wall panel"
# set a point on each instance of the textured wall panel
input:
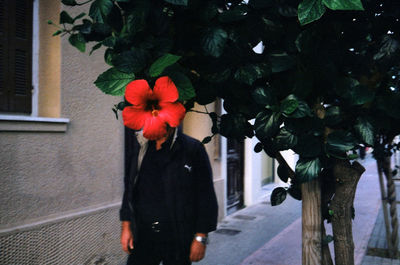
(88, 239)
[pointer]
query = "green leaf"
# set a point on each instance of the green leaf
(232, 15)
(308, 146)
(307, 169)
(234, 125)
(327, 239)
(344, 4)
(161, 63)
(352, 156)
(332, 116)
(108, 56)
(355, 93)
(213, 42)
(264, 96)
(78, 41)
(258, 147)
(389, 47)
(81, 15)
(289, 105)
(130, 61)
(365, 130)
(339, 142)
(177, 2)
(95, 47)
(184, 85)
(278, 196)
(65, 18)
(69, 2)
(113, 82)
(301, 111)
(310, 10)
(266, 124)
(283, 173)
(285, 140)
(359, 95)
(100, 9)
(251, 72)
(295, 191)
(110, 41)
(206, 140)
(58, 32)
(281, 62)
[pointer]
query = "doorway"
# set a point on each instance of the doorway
(235, 172)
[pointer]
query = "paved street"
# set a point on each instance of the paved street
(262, 234)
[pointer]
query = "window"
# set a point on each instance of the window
(16, 56)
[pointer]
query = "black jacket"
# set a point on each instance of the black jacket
(189, 188)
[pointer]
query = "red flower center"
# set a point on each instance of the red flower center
(152, 106)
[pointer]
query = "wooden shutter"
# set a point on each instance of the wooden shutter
(3, 55)
(18, 65)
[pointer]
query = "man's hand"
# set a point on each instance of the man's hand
(126, 236)
(197, 250)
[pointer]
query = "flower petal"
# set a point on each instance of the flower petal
(135, 117)
(137, 92)
(154, 128)
(165, 90)
(172, 113)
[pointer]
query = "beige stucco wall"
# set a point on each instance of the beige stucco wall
(49, 60)
(199, 125)
(46, 174)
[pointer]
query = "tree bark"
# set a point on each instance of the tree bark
(346, 177)
(391, 199)
(326, 253)
(384, 206)
(311, 223)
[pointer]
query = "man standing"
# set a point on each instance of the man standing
(169, 204)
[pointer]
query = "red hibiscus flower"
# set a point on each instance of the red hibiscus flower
(152, 109)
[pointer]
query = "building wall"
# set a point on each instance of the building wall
(198, 125)
(60, 191)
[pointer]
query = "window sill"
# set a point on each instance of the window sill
(15, 123)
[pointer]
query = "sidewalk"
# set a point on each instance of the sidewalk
(262, 234)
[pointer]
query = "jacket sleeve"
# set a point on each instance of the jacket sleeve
(206, 200)
(125, 213)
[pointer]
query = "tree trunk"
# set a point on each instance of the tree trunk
(313, 253)
(384, 206)
(391, 199)
(346, 177)
(311, 223)
(326, 253)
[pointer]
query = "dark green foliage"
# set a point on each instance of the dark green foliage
(213, 41)
(66, 18)
(78, 41)
(132, 61)
(283, 173)
(307, 169)
(161, 63)
(295, 192)
(310, 10)
(113, 82)
(258, 147)
(325, 83)
(278, 196)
